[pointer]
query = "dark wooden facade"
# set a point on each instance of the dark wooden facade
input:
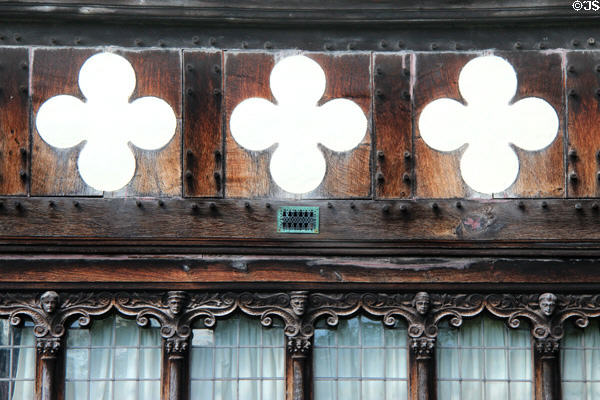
(396, 218)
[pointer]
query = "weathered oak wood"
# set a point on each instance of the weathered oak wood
(485, 224)
(158, 172)
(354, 13)
(541, 173)
(393, 125)
(277, 272)
(203, 133)
(14, 121)
(437, 174)
(54, 171)
(348, 173)
(583, 81)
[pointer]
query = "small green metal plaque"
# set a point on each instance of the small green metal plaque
(298, 220)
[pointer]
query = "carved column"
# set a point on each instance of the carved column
(175, 311)
(422, 367)
(175, 368)
(48, 350)
(299, 349)
(546, 361)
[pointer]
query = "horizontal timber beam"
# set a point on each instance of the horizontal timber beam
(556, 227)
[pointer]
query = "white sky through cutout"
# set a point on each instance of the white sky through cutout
(488, 124)
(297, 124)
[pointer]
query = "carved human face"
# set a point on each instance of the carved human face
(298, 304)
(176, 302)
(49, 301)
(422, 302)
(547, 303)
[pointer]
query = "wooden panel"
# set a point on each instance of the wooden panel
(348, 173)
(541, 173)
(14, 121)
(203, 134)
(246, 75)
(54, 171)
(437, 174)
(583, 83)
(158, 172)
(392, 125)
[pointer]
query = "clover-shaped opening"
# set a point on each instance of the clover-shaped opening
(107, 121)
(297, 124)
(488, 124)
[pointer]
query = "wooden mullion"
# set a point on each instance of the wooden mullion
(49, 371)
(175, 373)
(547, 375)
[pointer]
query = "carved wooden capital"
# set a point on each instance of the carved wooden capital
(547, 347)
(423, 347)
(176, 346)
(48, 347)
(299, 346)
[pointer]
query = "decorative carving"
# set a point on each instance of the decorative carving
(423, 312)
(289, 307)
(175, 311)
(48, 347)
(546, 313)
(49, 313)
(422, 347)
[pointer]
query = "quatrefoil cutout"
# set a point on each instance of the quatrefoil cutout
(488, 124)
(297, 124)
(107, 121)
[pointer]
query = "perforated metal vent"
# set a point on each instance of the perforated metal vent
(298, 220)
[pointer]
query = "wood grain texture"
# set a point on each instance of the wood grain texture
(54, 171)
(392, 121)
(158, 172)
(246, 76)
(14, 121)
(437, 174)
(203, 133)
(490, 224)
(541, 173)
(348, 173)
(298, 273)
(584, 123)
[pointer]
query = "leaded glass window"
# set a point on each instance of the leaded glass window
(484, 359)
(114, 359)
(580, 362)
(17, 361)
(238, 360)
(360, 360)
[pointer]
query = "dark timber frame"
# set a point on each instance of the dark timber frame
(371, 256)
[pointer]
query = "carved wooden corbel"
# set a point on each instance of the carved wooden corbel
(50, 314)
